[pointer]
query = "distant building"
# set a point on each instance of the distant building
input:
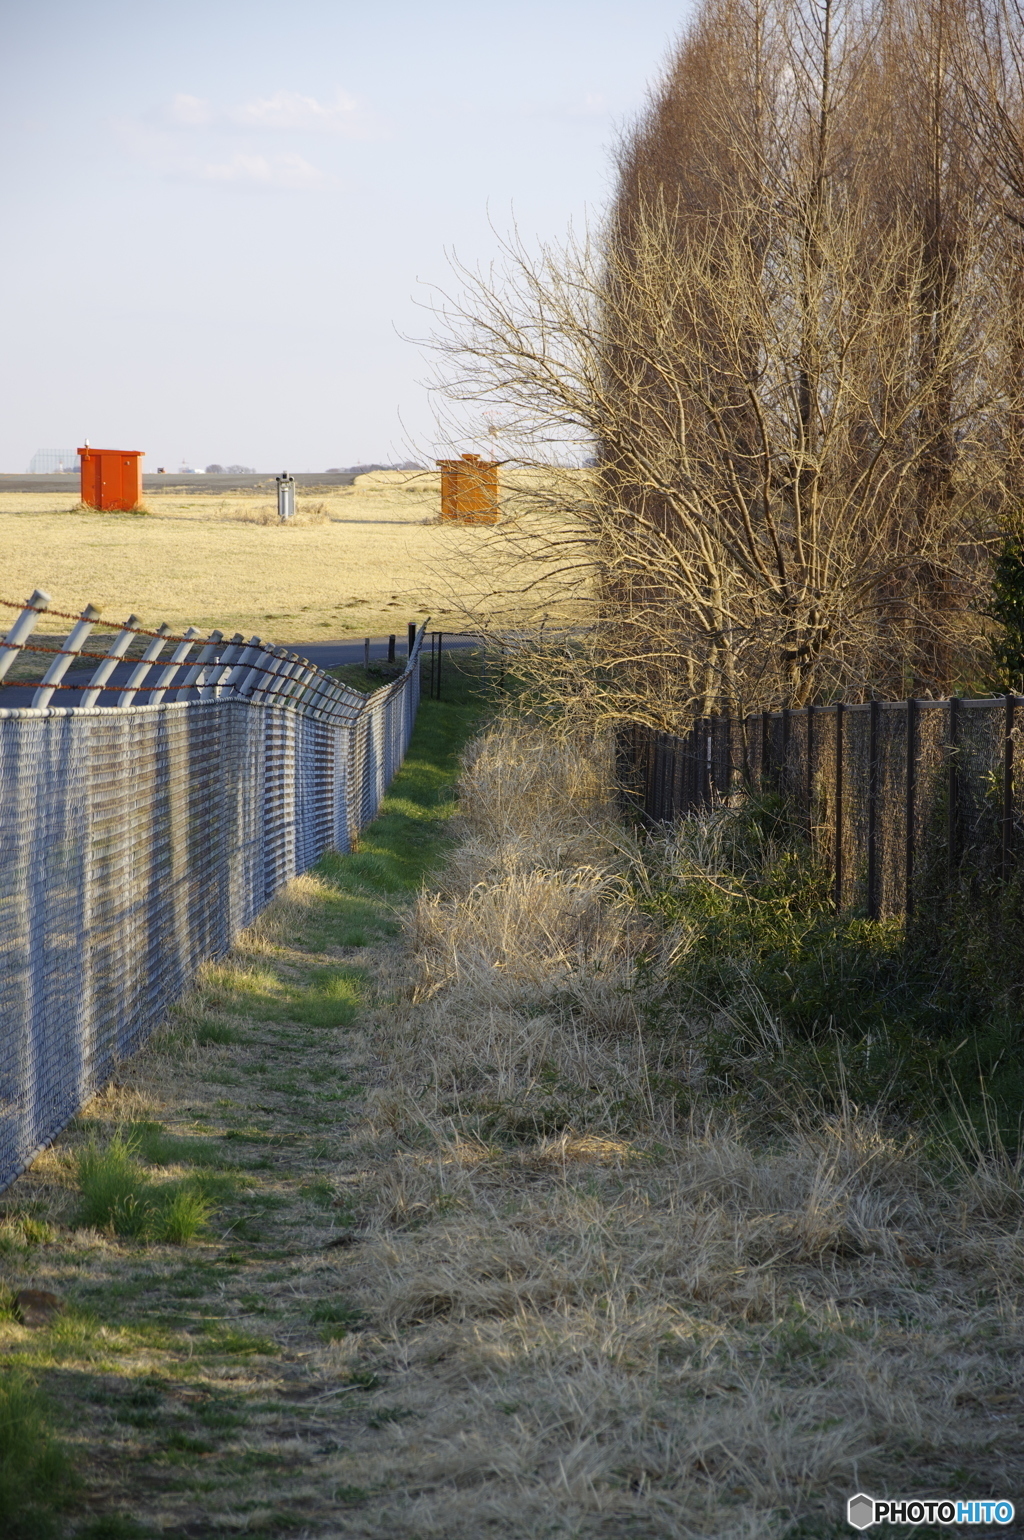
(49, 462)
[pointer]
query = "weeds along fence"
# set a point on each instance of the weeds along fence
(898, 796)
(147, 821)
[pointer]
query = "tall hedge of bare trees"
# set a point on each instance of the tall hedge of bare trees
(798, 347)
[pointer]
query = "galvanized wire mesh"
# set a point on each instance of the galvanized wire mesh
(896, 796)
(137, 840)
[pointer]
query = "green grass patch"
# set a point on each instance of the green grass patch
(119, 1196)
(36, 1476)
(926, 1019)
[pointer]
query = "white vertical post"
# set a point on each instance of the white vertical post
(117, 651)
(60, 665)
(144, 665)
(22, 627)
(178, 657)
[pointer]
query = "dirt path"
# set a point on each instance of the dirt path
(221, 1385)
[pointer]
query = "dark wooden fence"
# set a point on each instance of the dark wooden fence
(893, 793)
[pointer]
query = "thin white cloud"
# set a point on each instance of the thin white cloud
(266, 171)
(292, 110)
(190, 111)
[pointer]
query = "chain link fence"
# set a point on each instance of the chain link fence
(137, 839)
(897, 796)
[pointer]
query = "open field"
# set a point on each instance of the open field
(356, 561)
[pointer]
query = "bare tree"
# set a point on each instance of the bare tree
(786, 347)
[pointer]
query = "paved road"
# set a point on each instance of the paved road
(69, 482)
(323, 654)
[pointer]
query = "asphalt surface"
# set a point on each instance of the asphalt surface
(266, 481)
(323, 654)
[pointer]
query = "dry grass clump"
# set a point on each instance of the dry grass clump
(607, 1319)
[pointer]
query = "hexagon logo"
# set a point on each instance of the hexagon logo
(860, 1511)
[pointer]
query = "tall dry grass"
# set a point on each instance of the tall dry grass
(601, 1318)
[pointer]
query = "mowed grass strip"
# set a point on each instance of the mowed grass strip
(204, 1368)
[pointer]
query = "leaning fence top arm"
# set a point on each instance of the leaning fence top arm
(178, 657)
(118, 648)
(196, 675)
(60, 665)
(291, 675)
(263, 689)
(22, 627)
(250, 669)
(215, 677)
(144, 665)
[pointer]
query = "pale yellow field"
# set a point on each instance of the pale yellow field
(356, 561)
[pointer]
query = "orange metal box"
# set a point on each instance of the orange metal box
(469, 490)
(111, 478)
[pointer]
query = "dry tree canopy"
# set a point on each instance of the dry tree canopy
(796, 350)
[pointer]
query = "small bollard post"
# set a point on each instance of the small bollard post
(391, 649)
(412, 636)
(366, 654)
(285, 496)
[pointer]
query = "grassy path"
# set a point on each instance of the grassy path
(222, 1385)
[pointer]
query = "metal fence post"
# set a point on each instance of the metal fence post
(22, 627)
(118, 648)
(144, 665)
(60, 665)
(196, 675)
(178, 657)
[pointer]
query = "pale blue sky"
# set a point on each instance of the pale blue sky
(218, 214)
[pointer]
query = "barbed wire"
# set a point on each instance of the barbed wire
(11, 604)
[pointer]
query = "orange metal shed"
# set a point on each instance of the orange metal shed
(469, 490)
(111, 478)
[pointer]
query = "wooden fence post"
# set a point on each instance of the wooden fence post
(953, 811)
(872, 831)
(1006, 841)
(910, 806)
(809, 781)
(838, 891)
